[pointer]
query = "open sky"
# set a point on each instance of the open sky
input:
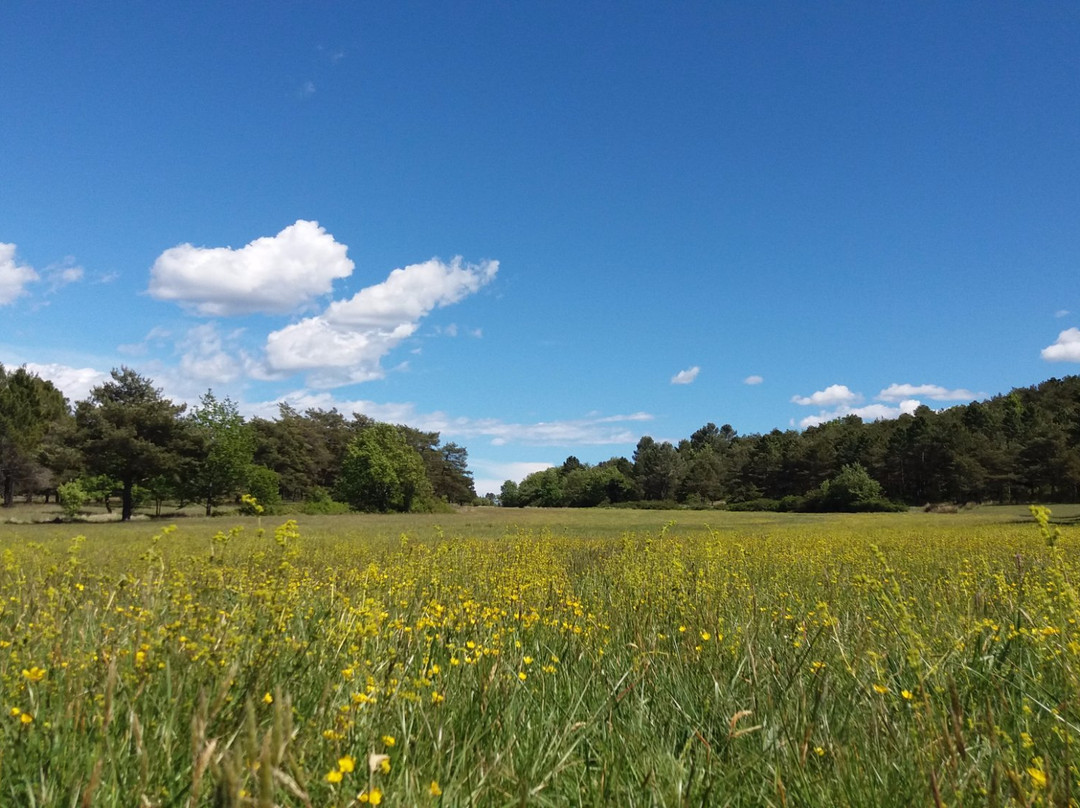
(544, 229)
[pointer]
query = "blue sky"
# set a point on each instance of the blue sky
(544, 228)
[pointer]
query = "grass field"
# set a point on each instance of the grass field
(528, 657)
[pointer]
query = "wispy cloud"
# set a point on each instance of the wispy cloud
(935, 392)
(154, 338)
(57, 276)
(753, 380)
(686, 376)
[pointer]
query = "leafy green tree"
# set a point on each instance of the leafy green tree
(509, 496)
(127, 430)
(29, 408)
(382, 472)
(543, 489)
(101, 488)
(223, 446)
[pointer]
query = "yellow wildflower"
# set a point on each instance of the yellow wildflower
(434, 789)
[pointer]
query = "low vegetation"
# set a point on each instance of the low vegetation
(505, 657)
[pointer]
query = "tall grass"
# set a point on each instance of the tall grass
(837, 661)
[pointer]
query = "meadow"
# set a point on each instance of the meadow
(499, 657)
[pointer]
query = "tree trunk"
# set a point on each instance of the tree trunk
(9, 491)
(209, 506)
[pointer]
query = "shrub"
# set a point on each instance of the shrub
(72, 498)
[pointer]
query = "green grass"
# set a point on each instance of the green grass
(537, 657)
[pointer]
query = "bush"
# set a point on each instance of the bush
(853, 490)
(324, 507)
(72, 498)
(759, 504)
(265, 485)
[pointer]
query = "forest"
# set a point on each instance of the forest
(1018, 447)
(127, 445)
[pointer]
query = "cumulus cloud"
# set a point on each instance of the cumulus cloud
(871, 412)
(831, 396)
(1065, 349)
(75, 383)
(345, 343)
(14, 277)
(753, 380)
(686, 376)
(274, 274)
(899, 392)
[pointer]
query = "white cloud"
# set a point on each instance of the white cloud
(1065, 349)
(75, 383)
(489, 475)
(155, 337)
(345, 343)
(753, 380)
(62, 274)
(831, 396)
(1062, 313)
(899, 392)
(686, 376)
(14, 276)
(210, 357)
(275, 274)
(871, 412)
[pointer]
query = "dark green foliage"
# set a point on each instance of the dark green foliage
(128, 430)
(1018, 447)
(265, 485)
(29, 408)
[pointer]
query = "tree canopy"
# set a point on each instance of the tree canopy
(382, 472)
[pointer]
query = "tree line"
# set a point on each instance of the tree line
(1018, 447)
(127, 442)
